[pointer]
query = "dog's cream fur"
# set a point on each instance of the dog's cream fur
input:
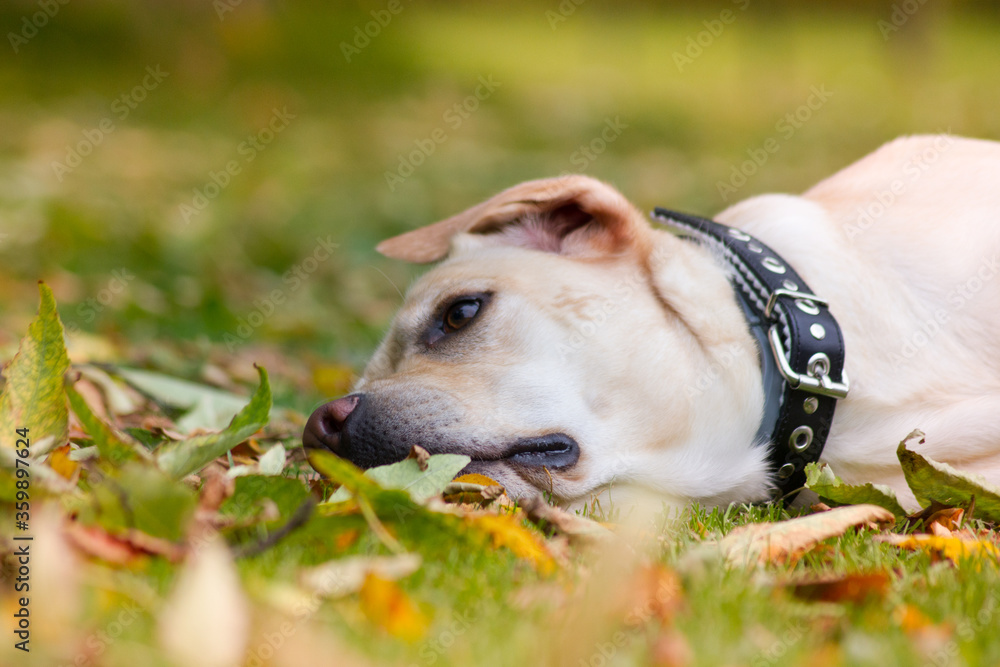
(630, 340)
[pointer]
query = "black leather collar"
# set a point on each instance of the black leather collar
(801, 345)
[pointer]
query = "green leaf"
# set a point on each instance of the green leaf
(829, 487)
(407, 476)
(208, 408)
(113, 445)
(33, 397)
(341, 471)
(187, 456)
(143, 498)
(934, 481)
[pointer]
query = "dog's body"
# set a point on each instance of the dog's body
(568, 346)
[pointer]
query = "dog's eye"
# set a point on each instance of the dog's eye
(460, 313)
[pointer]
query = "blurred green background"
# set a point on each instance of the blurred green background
(118, 121)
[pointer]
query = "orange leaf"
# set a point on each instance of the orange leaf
(386, 605)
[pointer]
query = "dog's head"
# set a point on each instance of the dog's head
(549, 347)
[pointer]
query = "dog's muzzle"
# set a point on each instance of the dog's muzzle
(358, 429)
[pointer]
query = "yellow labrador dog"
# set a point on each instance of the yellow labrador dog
(567, 345)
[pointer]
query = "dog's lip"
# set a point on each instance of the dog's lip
(554, 450)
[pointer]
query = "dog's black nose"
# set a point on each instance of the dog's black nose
(325, 427)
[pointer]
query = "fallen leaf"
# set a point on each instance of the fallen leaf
(957, 549)
(33, 396)
(787, 540)
(476, 478)
(577, 528)
(113, 445)
(933, 481)
(855, 588)
(507, 531)
(124, 549)
(59, 460)
(821, 479)
(420, 455)
(206, 619)
(386, 605)
(208, 408)
(422, 485)
(180, 459)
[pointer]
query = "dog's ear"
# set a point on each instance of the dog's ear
(568, 214)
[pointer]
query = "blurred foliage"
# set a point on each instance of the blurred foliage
(127, 261)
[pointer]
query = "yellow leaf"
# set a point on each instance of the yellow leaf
(386, 605)
(476, 478)
(954, 549)
(508, 532)
(60, 462)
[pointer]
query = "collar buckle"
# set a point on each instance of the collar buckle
(816, 379)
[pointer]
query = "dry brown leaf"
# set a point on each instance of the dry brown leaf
(420, 455)
(949, 518)
(854, 588)
(577, 528)
(787, 540)
(122, 549)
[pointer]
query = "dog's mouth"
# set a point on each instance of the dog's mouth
(555, 450)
